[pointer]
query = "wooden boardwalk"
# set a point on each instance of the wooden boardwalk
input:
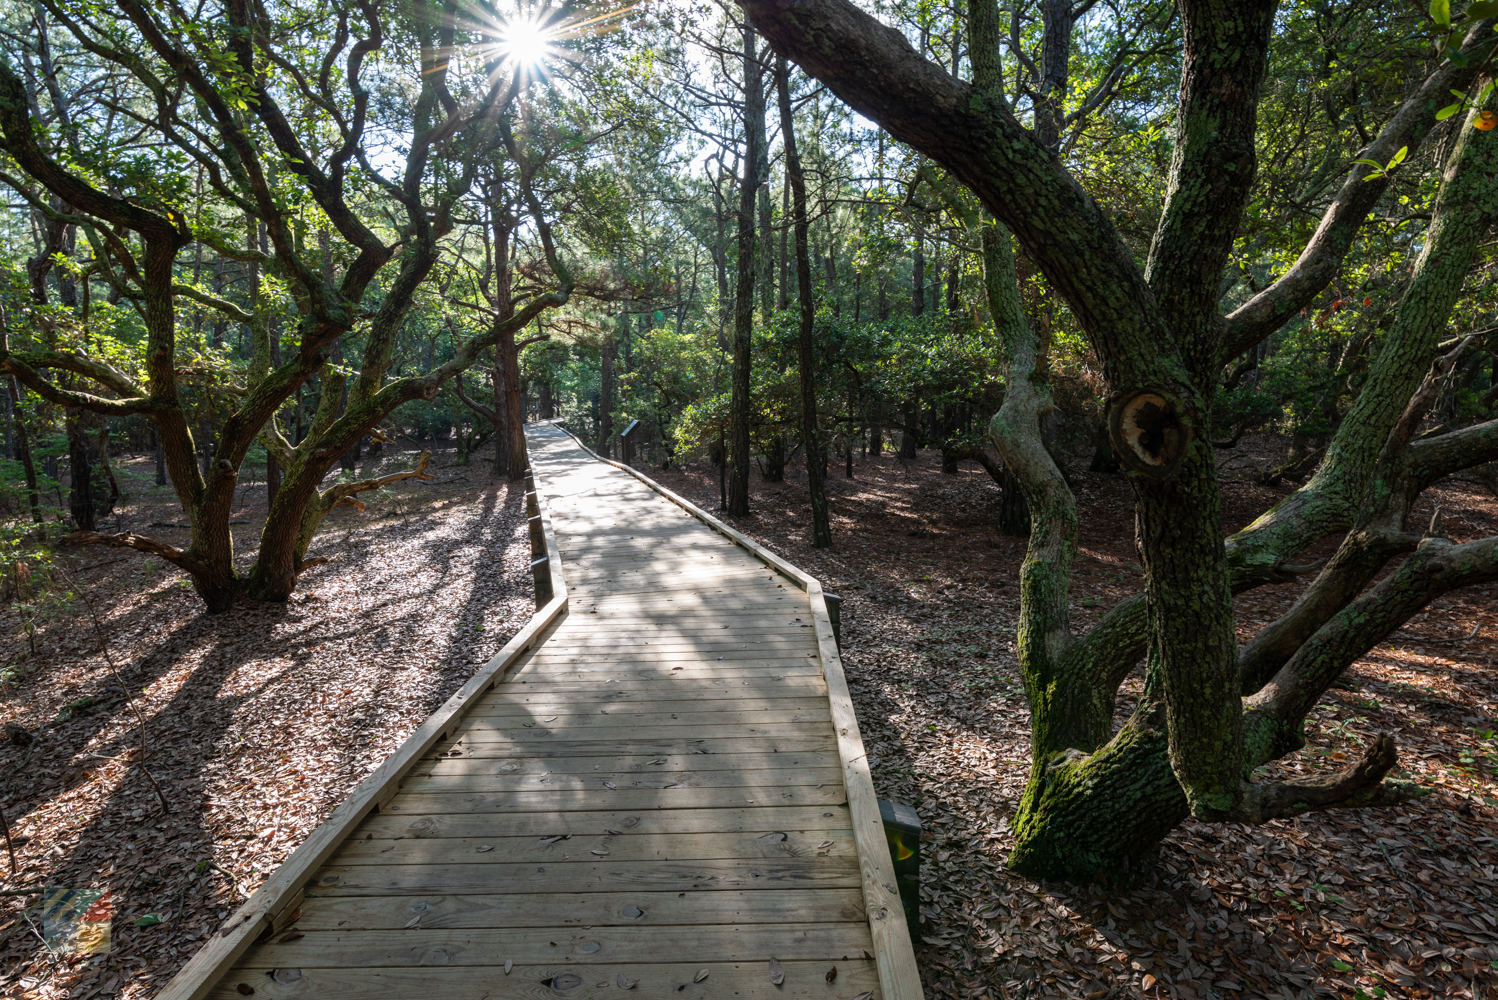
(652, 795)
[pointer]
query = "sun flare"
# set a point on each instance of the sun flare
(527, 42)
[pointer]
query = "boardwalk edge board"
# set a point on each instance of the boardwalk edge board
(278, 897)
(893, 950)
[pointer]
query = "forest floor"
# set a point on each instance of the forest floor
(1390, 902)
(263, 719)
(259, 721)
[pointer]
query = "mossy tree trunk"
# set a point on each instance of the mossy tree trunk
(1098, 801)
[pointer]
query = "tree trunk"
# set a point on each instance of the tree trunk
(785, 254)
(832, 296)
(743, 313)
(513, 403)
(81, 486)
(908, 439)
(160, 457)
(606, 392)
(23, 451)
(821, 527)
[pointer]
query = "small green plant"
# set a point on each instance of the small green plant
(1382, 170)
(1322, 889)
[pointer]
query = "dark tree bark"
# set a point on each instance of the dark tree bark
(743, 313)
(607, 357)
(821, 528)
(159, 456)
(81, 487)
(23, 451)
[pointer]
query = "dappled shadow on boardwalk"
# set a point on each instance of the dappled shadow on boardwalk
(260, 720)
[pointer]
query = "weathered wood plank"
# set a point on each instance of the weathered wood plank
(576, 850)
(663, 744)
(761, 874)
(478, 731)
(674, 687)
(741, 710)
(585, 823)
(748, 654)
(588, 909)
(742, 981)
(601, 674)
(464, 763)
(478, 782)
(601, 798)
(448, 947)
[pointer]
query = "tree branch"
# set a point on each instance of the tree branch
(1319, 262)
(1360, 784)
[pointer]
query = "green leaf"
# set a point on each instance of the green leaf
(1371, 163)
(1341, 966)
(1440, 12)
(1483, 9)
(1447, 112)
(149, 920)
(1398, 157)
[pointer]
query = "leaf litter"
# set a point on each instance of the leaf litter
(261, 719)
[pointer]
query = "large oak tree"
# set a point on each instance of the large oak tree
(1099, 800)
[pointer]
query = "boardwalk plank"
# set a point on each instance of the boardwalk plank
(762, 874)
(655, 711)
(622, 797)
(589, 909)
(621, 764)
(571, 946)
(659, 743)
(587, 823)
(739, 845)
(743, 981)
(471, 781)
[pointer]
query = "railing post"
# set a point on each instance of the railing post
(835, 614)
(540, 559)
